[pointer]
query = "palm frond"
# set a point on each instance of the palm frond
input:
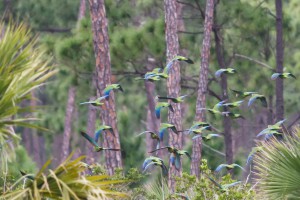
(278, 165)
(23, 68)
(66, 182)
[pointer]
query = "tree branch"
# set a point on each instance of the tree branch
(187, 32)
(294, 122)
(54, 30)
(200, 9)
(212, 93)
(187, 4)
(253, 60)
(214, 150)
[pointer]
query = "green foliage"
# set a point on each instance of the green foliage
(205, 189)
(44, 14)
(64, 182)
(151, 189)
(23, 68)
(277, 168)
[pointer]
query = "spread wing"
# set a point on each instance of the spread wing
(219, 73)
(98, 134)
(89, 138)
(220, 167)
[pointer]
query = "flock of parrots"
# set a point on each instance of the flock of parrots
(197, 128)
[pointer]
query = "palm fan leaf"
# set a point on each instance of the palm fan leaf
(278, 165)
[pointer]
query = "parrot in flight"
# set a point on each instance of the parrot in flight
(94, 143)
(282, 75)
(228, 167)
(111, 87)
(101, 129)
(225, 71)
(96, 102)
(173, 99)
(260, 97)
(152, 160)
(160, 105)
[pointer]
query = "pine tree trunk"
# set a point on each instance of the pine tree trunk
(27, 140)
(82, 10)
(103, 69)
(202, 85)
(152, 121)
(226, 120)
(91, 121)
(36, 150)
(68, 123)
(56, 149)
(279, 61)
(173, 83)
(27, 134)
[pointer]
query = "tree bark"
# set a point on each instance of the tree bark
(36, 149)
(173, 83)
(226, 120)
(68, 123)
(91, 121)
(82, 10)
(152, 121)
(56, 149)
(103, 70)
(279, 61)
(202, 85)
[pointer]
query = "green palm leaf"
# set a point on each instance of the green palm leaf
(66, 182)
(23, 68)
(278, 167)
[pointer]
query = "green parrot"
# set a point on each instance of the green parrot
(272, 129)
(94, 143)
(199, 130)
(233, 104)
(225, 71)
(175, 100)
(153, 72)
(223, 188)
(96, 102)
(150, 159)
(163, 127)
(169, 148)
(156, 162)
(151, 78)
(178, 58)
(111, 87)
(228, 167)
(101, 129)
(215, 110)
(160, 105)
(260, 97)
(207, 137)
(183, 152)
(234, 115)
(253, 152)
(242, 94)
(182, 58)
(153, 136)
(199, 124)
(175, 155)
(282, 75)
